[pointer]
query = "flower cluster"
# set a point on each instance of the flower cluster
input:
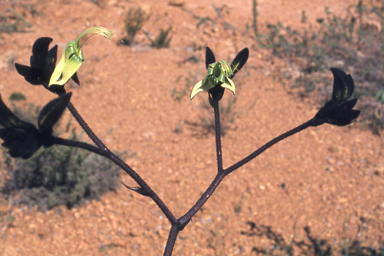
(23, 139)
(43, 71)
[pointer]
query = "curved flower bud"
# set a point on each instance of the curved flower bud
(339, 110)
(72, 57)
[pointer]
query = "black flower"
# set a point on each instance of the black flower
(23, 139)
(42, 64)
(339, 110)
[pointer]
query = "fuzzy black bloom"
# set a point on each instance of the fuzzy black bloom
(23, 139)
(339, 110)
(42, 64)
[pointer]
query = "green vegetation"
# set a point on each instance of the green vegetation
(99, 3)
(61, 176)
(80, 171)
(133, 23)
(353, 42)
(57, 175)
(12, 17)
(162, 40)
(311, 245)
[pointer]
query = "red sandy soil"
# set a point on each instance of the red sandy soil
(333, 176)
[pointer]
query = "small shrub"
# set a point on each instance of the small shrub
(133, 23)
(56, 175)
(162, 40)
(311, 245)
(352, 42)
(12, 21)
(61, 176)
(99, 3)
(17, 96)
(22, 109)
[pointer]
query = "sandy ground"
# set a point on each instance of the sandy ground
(332, 176)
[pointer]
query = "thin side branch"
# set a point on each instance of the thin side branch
(85, 127)
(105, 152)
(220, 176)
(270, 144)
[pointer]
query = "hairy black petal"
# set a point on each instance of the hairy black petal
(42, 63)
(338, 110)
(20, 144)
(9, 120)
(29, 74)
(349, 104)
(209, 57)
(52, 112)
(239, 61)
(343, 117)
(343, 86)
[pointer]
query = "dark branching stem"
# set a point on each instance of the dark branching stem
(220, 176)
(218, 135)
(171, 240)
(184, 220)
(105, 152)
(270, 144)
(177, 225)
(79, 144)
(207, 194)
(85, 127)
